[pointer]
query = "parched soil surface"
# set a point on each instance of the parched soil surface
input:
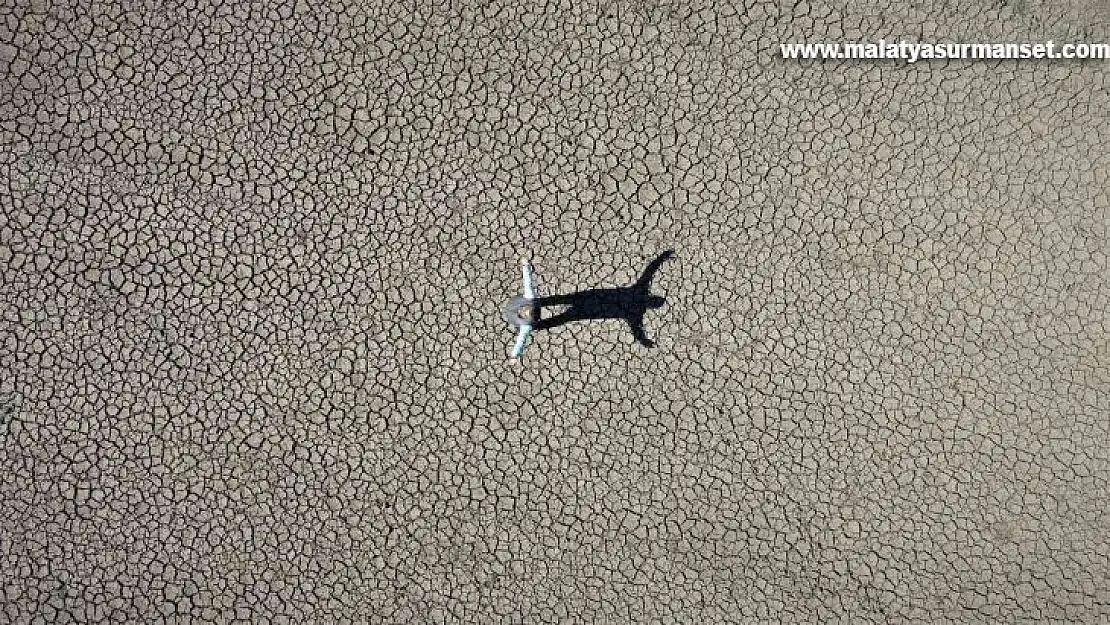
(253, 365)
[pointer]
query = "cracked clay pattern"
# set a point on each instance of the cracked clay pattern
(253, 366)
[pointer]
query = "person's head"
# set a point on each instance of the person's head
(528, 313)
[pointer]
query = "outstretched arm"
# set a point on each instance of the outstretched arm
(521, 341)
(636, 323)
(649, 272)
(529, 281)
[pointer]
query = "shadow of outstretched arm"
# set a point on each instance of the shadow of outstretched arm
(649, 272)
(636, 323)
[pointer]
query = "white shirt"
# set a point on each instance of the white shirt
(525, 328)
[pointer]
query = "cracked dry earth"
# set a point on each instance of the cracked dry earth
(252, 366)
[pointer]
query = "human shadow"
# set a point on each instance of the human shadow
(629, 303)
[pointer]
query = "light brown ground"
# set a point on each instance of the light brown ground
(252, 363)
